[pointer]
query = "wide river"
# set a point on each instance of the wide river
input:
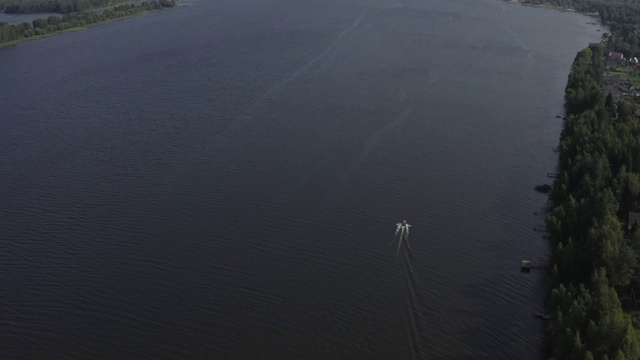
(223, 181)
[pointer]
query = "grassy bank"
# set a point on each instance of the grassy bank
(16, 42)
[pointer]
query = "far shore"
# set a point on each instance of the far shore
(74, 29)
(549, 6)
(78, 28)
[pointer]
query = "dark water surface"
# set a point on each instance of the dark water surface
(222, 181)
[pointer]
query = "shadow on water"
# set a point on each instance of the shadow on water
(493, 327)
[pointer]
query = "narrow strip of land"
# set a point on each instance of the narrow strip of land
(74, 21)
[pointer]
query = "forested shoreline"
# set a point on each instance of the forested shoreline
(10, 34)
(595, 262)
(599, 182)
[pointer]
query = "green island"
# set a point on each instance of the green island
(594, 221)
(75, 15)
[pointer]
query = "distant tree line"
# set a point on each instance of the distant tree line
(598, 184)
(50, 6)
(53, 24)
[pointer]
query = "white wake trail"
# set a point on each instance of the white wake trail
(413, 300)
(259, 103)
(400, 241)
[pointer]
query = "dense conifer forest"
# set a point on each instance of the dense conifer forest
(599, 183)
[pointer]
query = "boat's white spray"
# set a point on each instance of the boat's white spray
(403, 231)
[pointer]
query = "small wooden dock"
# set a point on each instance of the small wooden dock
(527, 265)
(542, 316)
(553, 175)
